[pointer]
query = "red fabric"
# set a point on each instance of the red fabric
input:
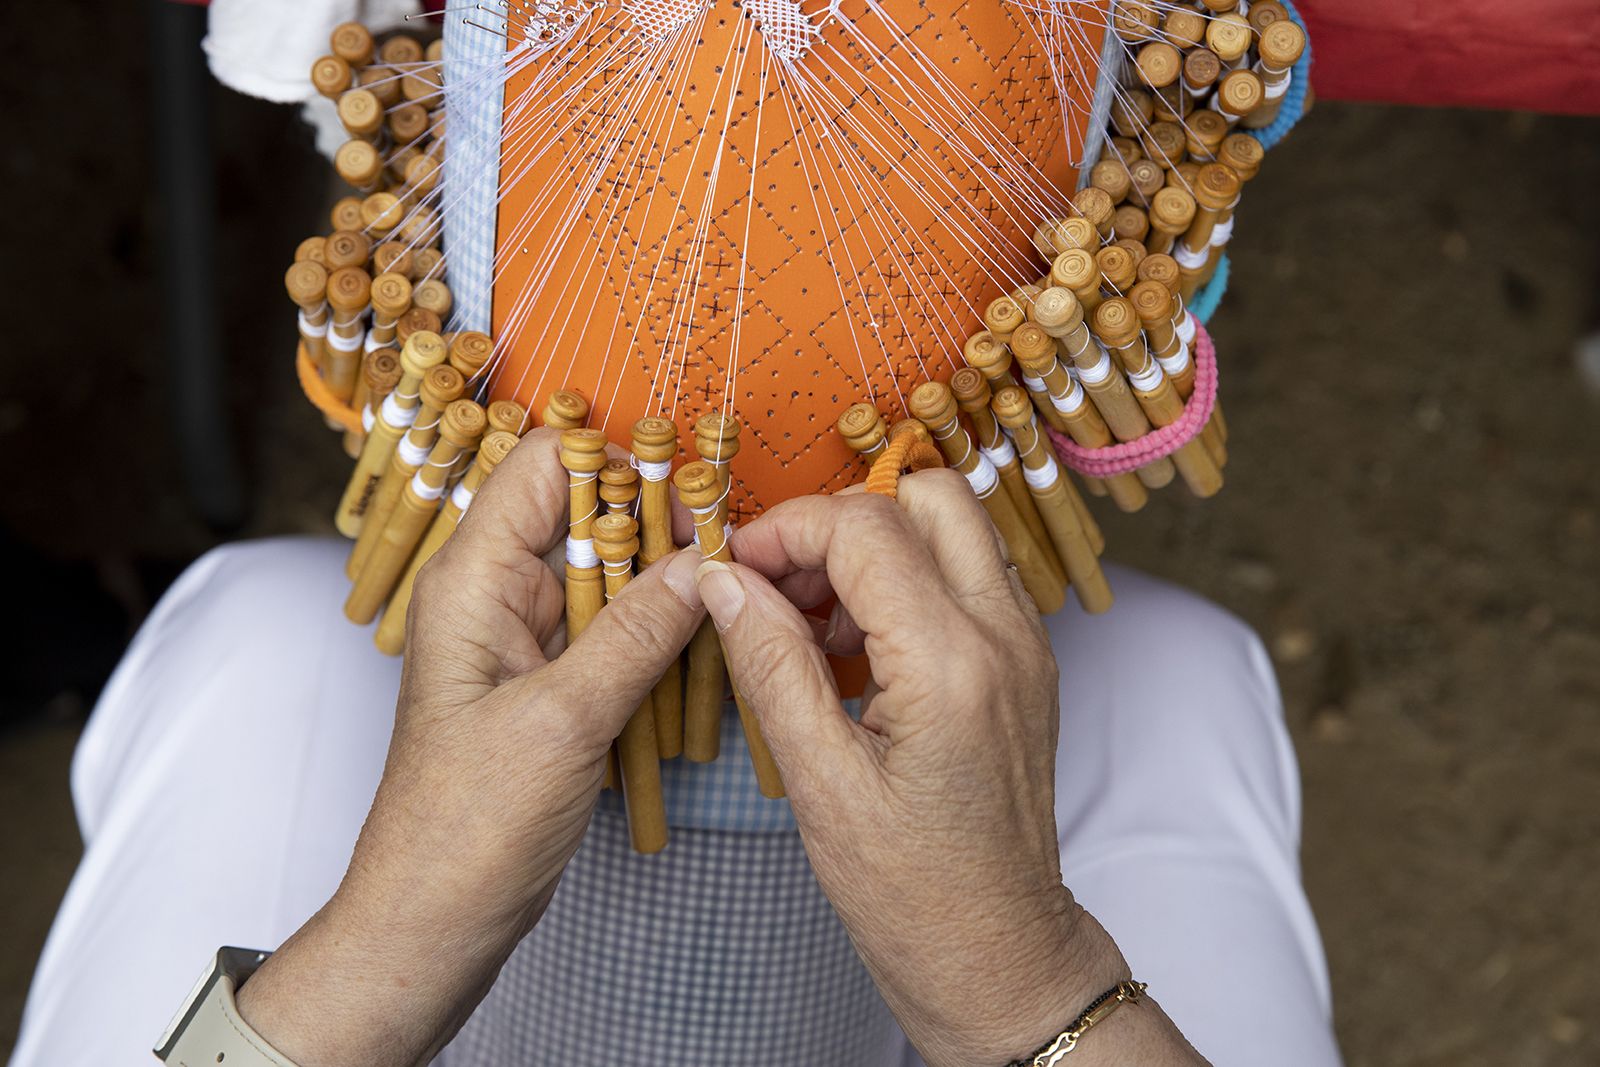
(1538, 55)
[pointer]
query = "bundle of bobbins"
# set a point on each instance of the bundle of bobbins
(1100, 366)
(378, 275)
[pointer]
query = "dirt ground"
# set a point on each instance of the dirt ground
(1412, 516)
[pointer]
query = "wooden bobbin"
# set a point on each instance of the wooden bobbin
(1239, 94)
(434, 295)
(345, 216)
(423, 351)
(422, 176)
(331, 76)
(361, 114)
(1146, 176)
(1130, 223)
(1117, 326)
(1165, 269)
(1183, 28)
(349, 292)
(414, 321)
(1135, 249)
(1201, 69)
(391, 298)
(935, 406)
(508, 416)
(307, 285)
(1164, 143)
(346, 248)
(701, 491)
(1158, 64)
(1124, 148)
(1111, 176)
(460, 428)
(428, 263)
(716, 441)
(401, 51)
(616, 542)
(1216, 189)
(863, 429)
(422, 228)
(1003, 316)
(441, 386)
(1077, 271)
(1281, 44)
(1134, 22)
(619, 487)
(423, 86)
(1057, 502)
(1229, 36)
(1264, 13)
(312, 250)
(360, 164)
(1171, 103)
(1171, 213)
(469, 351)
(1203, 133)
(408, 123)
(380, 371)
(381, 83)
(392, 257)
(583, 453)
(381, 213)
(1130, 112)
(1118, 269)
(1095, 205)
(434, 53)
(655, 446)
(1153, 303)
(1055, 236)
(565, 410)
(352, 42)
(496, 445)
(1060, 315)
(1108, 389)
(972, 394)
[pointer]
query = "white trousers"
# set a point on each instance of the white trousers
(228, 766)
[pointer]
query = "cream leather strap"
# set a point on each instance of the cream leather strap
(208, 1030)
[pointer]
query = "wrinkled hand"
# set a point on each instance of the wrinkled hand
(494, 768)
(930, 823)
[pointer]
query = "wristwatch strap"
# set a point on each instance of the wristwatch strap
(208, 1029)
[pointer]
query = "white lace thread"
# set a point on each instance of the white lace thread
(580, 552)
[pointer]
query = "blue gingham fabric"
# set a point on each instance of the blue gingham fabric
(720, 951)
(474, 90)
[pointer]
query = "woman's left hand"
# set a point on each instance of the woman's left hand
(493, 771)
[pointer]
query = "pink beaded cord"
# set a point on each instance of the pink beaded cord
(1131, 455)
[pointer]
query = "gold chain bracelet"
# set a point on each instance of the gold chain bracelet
(1129, 992)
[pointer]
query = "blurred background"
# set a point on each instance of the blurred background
(1411, 521)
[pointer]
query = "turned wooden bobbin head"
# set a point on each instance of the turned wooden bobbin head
(862, 427)
(911, 426)
(358, 163)
(1183, 27)
(616, 538)
(565, 410)
(1076, 270)
(699, 486)
(989, 356)
(469, 351)
(1148, 176)
(422, 351)
(1162, 268)
(619, 484)
(414, 320)
(1158, 64)
(422, 174)
(1023, 295)
(422, 85)
(346, 214)
(1117, 267)
(400, 50)
(971, 390)
(1131, 111)
(1172, 210)
(716, 438)
(425, 263)
(1152, 303)
(381, 83)
(421, 227)
(392, 256)
(655, 440)
(349, 290)
(352, 42)
(583, 451)
(330, 76)
(391, 295)
(381, 370)
(1243, 153)
(1240, 92)
(346, 248)
(495, 446)
(1183, 176)
(1096, 206)
(507, 415)
(934, 404)
(1057, 311)
(1201, 69)
(361, 112)
(1282, 44)
(1125, 149)
(442, 385)
(1216, 187)
(1004, 315)
(1032, 345)
(381, 213)
(1115, 322)
(408, 122)
(1229, 37)
(462, 423)
(1058, 235)
(1112, 176)
(1134, 22)
(433, 295)
(1012, 407)
(311, 250)
(1130, 222)
(1204, 133)
(1134, 248)
(1165, 143)
(307, 284)
(1264, 13)
(435, 50)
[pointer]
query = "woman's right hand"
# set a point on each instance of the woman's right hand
(930, 823)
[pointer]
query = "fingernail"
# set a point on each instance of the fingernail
(679, 576)
(720, 591)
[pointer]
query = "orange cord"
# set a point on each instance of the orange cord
(905, 452)
(321, 396)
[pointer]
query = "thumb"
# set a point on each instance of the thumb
(620, 656)
(777, 667)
